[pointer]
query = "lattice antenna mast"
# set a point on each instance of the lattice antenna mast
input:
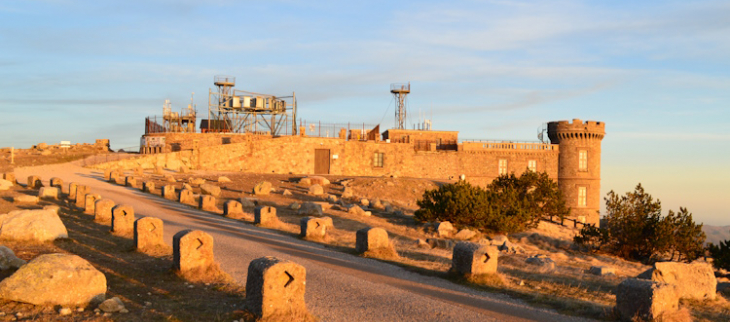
(400, 92)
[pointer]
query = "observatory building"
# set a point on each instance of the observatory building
(260, 133)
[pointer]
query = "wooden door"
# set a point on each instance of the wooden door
(322, 161)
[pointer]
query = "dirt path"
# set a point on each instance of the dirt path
(340, 287)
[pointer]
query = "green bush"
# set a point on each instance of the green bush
(720, 254)
(508, 205)
(635, 228)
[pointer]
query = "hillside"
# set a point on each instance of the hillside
(716, 234)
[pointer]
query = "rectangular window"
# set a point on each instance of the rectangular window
(502, 166)
(378, 160)
(582, 160)
(532, 165)
(581, 196)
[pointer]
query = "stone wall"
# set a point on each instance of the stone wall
(296, 155)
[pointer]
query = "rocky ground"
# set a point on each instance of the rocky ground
(566, 285)
(539, 266)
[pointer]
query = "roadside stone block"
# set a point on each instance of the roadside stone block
(103, 210)
(210, 189)
(9, 176)
(81, 192)
(168, 192)
(368, 239)
(313, 227)
(208, 203)
(148, 234)
(311, 209)
(475, 259)
(57, 183)
(90, 203)
(48, 193)
(693, 281)
(130, 182)
(108, 174)
(192, 250)
(275, 289)
(232, 208)
(187, 197)
(645, 299)
(72, 190)
(148, 186)
(34, 182)
(122, 219)
(265, 216)
(114, 176)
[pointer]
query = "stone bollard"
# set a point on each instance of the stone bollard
(48, 193)
(81, 192)
(644, 299)
(313, 227)
(474, 259)
(122, 219)
(90, 203)
(275, 289)
(148, 186)
(9, 176)
(57, 183)
(168, 192)
(192, 250)
(114, 176)
(368, 239)
(265, 216)
(148, 234)
(208, 203)
(130, 182)
(103, 210)
(34, 182)
(187, 197)
(72, 190)
(108, 174)
(232, 208)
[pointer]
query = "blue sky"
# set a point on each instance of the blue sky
(657, 72)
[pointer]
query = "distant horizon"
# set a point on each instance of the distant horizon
(656, 72)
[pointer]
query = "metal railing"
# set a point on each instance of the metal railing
(509, 145)
(354, 131)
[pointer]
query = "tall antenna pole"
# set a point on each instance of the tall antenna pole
(400, 93)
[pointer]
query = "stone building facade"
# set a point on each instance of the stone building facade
(573, 157)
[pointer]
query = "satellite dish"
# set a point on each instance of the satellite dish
(541, 132)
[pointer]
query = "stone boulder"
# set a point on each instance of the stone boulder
(8, 259)
(332, 198)
(364, 202)
(26, 199)
(247, 203)
(465, 234)
(602, 270)
(55, 279)
(376, 204)
(542, 261)
(310, 209)
(315, 190)
(693, 281)
(5, 184)
(346, 193)
(262, 188)
(445, 229)
(196, 181)
(356, 210)
(322, 181)
(32, 225)
(211, 190)
(112, 305)
(645, 300)
(286, 193)
(224, 180)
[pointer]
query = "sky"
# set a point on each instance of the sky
(656, 72)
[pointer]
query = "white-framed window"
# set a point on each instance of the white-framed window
(582, 196)
(378, 159)
(532, 165)
(582, 160)
(502, 166)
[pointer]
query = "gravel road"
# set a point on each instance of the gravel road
(340, 287)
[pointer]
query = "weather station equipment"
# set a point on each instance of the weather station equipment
(238, 111)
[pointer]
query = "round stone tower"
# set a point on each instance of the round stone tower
(579, 165)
